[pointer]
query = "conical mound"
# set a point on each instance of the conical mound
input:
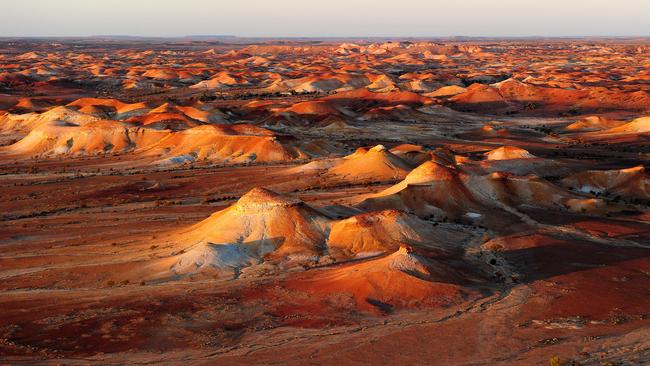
(268, 222)
(430, 189)
(639, 125)
(377, 164)
(381, 232)
(508, 153)
(399, 280)
(430, 171)
(262, 198)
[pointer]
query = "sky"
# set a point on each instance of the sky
(325, 18)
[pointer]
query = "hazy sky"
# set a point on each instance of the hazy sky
(325, 17)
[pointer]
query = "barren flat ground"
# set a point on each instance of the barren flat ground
(325, 203)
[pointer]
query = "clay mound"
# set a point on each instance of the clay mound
(13, 79)
(508, 153)
(254, 61)
(29, 56)
(512, 189)
(398, 112)
(161, 74)
(376, 164)
(427, 172)
(631, 182)
(429, 190)
(390, 98)
(381, 83)
(380, 232)
(165, 121)
(413, 154)
(58, 116)
(401, 280)
(177, 117)
(336, 124)
(436, 190)
(323, 83)
(446, 91)
(503, 94)
(593, 123)
(93, 138)
(488, 131)
(639, 125)
(225, 143)
(502, 189)
(479, 96)
(406, 148)
(203, 114)
(262, 197)
(514, 93)
(525, 93)
(220, 80)
(27, 105)
(209, 257)
(348, 103)
(262, 224)
(216, 143)
(420, 86)
(119, 110)
(311, 107)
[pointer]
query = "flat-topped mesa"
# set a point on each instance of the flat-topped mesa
(263, 199)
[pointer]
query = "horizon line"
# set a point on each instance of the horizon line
(324, 37)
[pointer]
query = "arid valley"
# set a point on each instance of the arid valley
(318, 201)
